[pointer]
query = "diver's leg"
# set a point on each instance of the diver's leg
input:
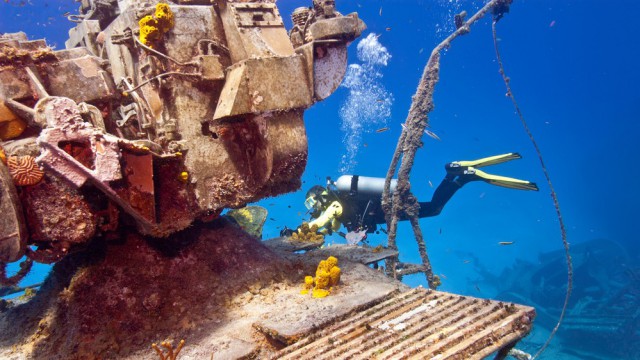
(441, 196)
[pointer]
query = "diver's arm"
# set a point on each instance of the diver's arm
(329, 217)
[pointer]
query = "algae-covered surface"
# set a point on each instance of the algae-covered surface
(214, 287)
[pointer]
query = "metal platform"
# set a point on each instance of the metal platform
(419, 324)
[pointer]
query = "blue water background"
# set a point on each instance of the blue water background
(573, 70)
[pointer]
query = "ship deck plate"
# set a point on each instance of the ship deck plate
(419, 324)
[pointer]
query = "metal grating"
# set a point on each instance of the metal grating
(419, 324)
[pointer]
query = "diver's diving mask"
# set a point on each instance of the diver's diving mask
(311, 202)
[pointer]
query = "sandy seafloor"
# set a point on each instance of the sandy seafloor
(572, 65)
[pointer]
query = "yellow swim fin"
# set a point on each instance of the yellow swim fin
(491, 160)
(503, 180)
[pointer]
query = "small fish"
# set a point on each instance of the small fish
(382, 130)
(388, 29)
(467, 261)
(443, 276)
(380, 10)
(478, 288)
(365, 144)
(432, 134)
(430, 183)
(426, 131)
(272, 219)
(506, 242)
(421, 50)
(440, 232)
(380, 100)
(289, 206)
(271, 204)
(553, 22)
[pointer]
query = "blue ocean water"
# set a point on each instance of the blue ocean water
(572, 65)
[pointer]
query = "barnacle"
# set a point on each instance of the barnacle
(24, 170)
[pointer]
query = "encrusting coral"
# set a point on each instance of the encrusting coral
(327, 276)
(153, 27)
(307, 233)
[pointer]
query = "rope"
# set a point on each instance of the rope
(403, 202)
(553, 194)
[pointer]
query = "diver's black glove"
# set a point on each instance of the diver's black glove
(286, 232)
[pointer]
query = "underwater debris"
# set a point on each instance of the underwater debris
(170, 355)
(111, 111)
(327, 276)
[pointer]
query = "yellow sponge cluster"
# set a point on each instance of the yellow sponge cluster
(307, 233)
(327, 276)
(153, 27)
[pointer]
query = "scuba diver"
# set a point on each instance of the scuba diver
(355, 201)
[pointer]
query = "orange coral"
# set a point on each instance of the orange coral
(170, 355)
(24, 170)
(12, 129)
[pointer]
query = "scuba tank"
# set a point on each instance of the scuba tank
(355, 185)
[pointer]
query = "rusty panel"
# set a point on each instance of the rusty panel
(256, 14)
(250, 84)
(419, 324)
(81, 79)
(140, 191)
(13, 234)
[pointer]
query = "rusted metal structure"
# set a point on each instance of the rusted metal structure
(156, 115)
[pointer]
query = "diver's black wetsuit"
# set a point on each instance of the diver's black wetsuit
(360, 211)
